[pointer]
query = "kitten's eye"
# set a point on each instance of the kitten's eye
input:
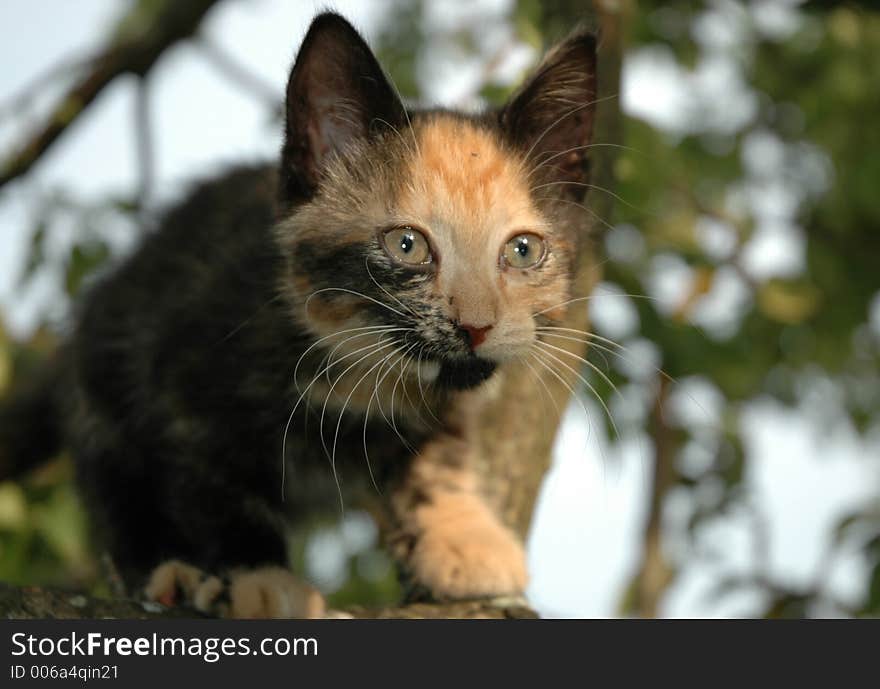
(524, 251)
(408, 246)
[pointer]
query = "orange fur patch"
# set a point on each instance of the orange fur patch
(469, 195)
(461, 178)
(464, 551)
(333, 311)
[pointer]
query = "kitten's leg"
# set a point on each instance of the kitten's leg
(194, 536)
(446, 536)
(233, 564)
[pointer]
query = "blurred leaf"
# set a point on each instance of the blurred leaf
(36, 253)
(495, 94)
(526, 18)
(83, 261)
(789, 606)
(788, 302)
(13, 506)
(872, 606)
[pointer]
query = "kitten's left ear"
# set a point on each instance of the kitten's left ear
(551, 117)
(336, 94)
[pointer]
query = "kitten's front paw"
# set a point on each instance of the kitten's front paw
(272, 592)
(267, 592)
(464, 552)
(174, 582)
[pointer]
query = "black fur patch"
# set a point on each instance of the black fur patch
(463, 374)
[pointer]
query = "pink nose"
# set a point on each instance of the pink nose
(476, 336)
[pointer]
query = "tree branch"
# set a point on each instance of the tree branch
(239, 75)
(143, 133)
(140, 37)
(35, 602)
(654, 573)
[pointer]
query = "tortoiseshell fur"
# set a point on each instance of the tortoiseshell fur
(196, 361)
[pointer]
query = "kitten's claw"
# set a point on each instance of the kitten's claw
(267, 592)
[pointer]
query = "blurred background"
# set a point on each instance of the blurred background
(737, 207)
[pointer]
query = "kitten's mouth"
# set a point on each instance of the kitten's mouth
(464, 374)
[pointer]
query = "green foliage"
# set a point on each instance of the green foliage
(398, 42)
(816, 96)
(43, 531)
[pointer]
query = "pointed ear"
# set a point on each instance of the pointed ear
(336, 94)
(550, 118)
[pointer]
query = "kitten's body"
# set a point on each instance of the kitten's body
(264, 320)
(184, 361)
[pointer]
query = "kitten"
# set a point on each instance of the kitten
(353, 308)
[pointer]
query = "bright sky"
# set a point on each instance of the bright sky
(585, 535)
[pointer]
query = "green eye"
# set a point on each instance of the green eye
(408, 245)
(524, 251)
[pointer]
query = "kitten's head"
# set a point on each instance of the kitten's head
(433, 236)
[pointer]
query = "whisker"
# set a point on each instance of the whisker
(414, 405)
(354, 292)
(330, 456)
(330, 394)
(383, 332)
(595, 296)
(565, 115)
(375, 395)
(584, 361)
(590, 350)
(375, 282)
(598, 440)
(616, 197)
(591, 341)
(544, 162)
(247, 320)
(396, 131)
(605, 345)
(406, 115)
(584, 380)
(299, 400)
(546, 389)
(421, 389)
(397, 382)
(568, 387)
(367, 418)
(342, 412)
(327, 337)
(593, 213)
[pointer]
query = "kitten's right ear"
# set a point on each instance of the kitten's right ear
(551, 117)
(336, 94)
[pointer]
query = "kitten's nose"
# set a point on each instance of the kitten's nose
(474, 335)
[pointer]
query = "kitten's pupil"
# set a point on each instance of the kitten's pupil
(406, 242)
(522, 247)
